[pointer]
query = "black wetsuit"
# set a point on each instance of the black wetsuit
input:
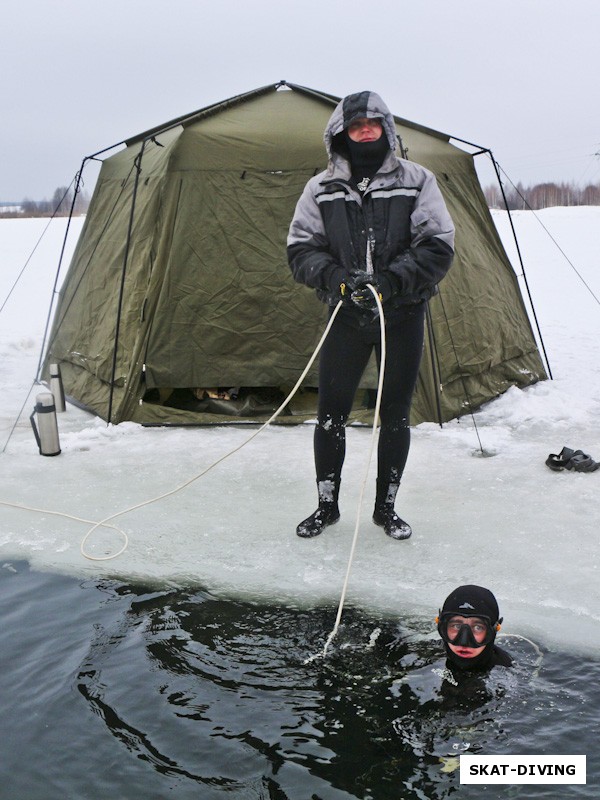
(344, 357)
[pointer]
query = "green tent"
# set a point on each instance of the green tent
(179, 307)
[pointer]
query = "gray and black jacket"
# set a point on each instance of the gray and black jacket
(400, 223)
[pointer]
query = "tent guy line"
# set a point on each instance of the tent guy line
(560, 249)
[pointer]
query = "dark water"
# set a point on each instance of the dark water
(121, 691)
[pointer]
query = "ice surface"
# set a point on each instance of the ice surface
(504, 520)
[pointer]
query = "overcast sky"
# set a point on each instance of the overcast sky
(517, 76)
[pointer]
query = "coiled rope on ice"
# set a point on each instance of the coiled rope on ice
(105, 522)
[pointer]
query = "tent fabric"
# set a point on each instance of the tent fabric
(179, 279)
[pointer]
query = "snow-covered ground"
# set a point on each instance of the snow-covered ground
(505, 520)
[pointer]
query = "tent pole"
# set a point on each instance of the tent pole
(138, 169)
(434, 365)
(514, 233)
(60, 260)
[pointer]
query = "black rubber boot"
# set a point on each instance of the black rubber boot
(386, 518)
(384, 514)
(326, 514)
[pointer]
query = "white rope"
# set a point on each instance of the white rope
(104, 522)
(191, 480)
(68, 516)
(364, 483)
(540, 655)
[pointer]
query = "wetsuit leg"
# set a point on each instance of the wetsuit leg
(343, 360)
(404, 349)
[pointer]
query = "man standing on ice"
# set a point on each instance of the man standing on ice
(369, 218)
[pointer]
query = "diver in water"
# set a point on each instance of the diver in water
(468, 623)
(446, 707)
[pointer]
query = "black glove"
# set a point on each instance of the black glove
(339, 285)
(384, 284)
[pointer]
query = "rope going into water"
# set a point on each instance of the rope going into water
(539, 653)
(105, 522)
(364, 483)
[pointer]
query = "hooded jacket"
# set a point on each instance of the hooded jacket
(400, 224)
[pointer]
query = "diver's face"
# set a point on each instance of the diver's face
(479, 629)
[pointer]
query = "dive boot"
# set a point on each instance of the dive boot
(386, 518)
(326, 514)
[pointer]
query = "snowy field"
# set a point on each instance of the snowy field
(504, 520)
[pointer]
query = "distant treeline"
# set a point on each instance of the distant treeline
(543, 195)
(59, 205)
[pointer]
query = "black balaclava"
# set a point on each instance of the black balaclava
(365, 158)
(471, 601)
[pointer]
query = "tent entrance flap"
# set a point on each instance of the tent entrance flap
(247, 403)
